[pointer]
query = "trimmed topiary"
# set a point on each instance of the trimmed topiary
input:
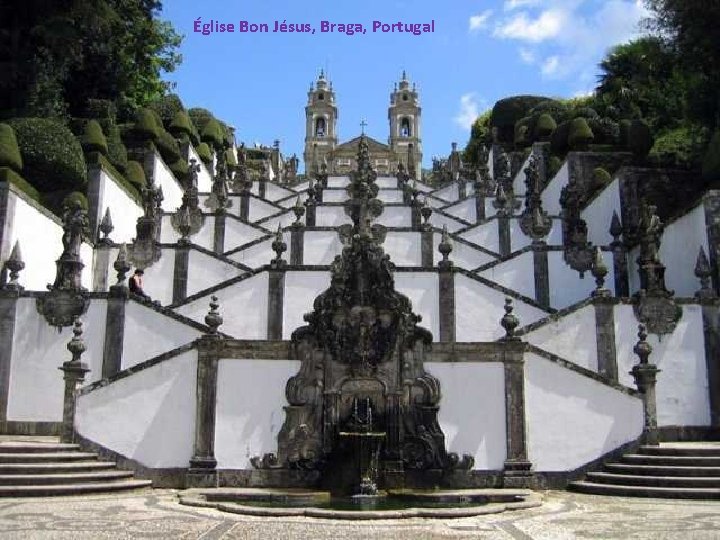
(181, 127)
(135, 175)
(117, 153)
(204, 152)
(523, 135)
(9, 151)
(544, 127)
(168, 147)
(625, 133)
(146, 125)
(600, 177)
(559, 139)
(213, 134)
(580, 135)
(711, 161)
(167, 107)
(230, 158)
(75, 199)
(180, 169)
(93, 139)
(640, 139)
(605, 130)
(584, 112)
(554, 166)
(507, 112)
(52, 157)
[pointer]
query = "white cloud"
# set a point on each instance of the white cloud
(521, 27)
(572, 36)
(526, 55)
(478, 22)
(470, 105)
(550, 66)
(514, 4)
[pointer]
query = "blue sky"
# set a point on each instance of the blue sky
(481, 51)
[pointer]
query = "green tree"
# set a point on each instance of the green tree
(58, 54)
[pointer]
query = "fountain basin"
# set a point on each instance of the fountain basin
(394, 504)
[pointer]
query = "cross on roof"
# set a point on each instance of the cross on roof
(363, 124)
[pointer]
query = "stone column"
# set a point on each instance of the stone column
(245, 205)
(180, 272)
(711, 329)
(446, 279)
(711, 202)
(415, 216)
(115, 317)
(202, 472)
(219, 237)
(462, 189)
(8, 313)
(101, 265)
(645, 375)
(604, 319)
(622, 282)
(276, 295)
(426, 248)
(504, 243)
(297, 244)
(517, 471)
(74, 374)
(542, 273)
(262, 188)
(479, 203)
(310, 213)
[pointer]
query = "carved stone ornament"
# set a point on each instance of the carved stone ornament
(578, 252)
(656, 307)
(145, 251)
(534, 221)
(67, 298)
(362, 344)
(218, 200)
(188, 219)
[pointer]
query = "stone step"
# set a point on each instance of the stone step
(36, 447)
(68, 478)
(680, 461)
(654, 481)
(51, 467)
(33, 457)
(72, 489)
(645, 491)
(661, 470)
(700, 450)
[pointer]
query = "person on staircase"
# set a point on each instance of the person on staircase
(135, 284)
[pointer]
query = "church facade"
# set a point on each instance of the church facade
(322, 145)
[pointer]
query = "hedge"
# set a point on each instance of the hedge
(117, 153)
(506, 113)
(180, 169)
(52, 157)
(168, 147)
(580, 134)
(559, 139)
(9, 151)
(204, 152)
(167, 107)
(640, 139)
(93, 139)
(181, 127)
(601, 177)
(213, 134)
(75, 198)
(136, 175)
(8, 175)
(544, 127)
(146, 126)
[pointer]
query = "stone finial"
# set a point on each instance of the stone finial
(501, 201)
(535, 221)
(703, 272)
(642, 348)
(122, 267)
(15, 265)
(445, 248)
(213, 319)
(616, 229)
(106, 227)
(299, 211)
(599, 270)
(509, 322)
(279, 247)
(426, 212)
(76, 346)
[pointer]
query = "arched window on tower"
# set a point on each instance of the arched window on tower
(320, 127)
(405, 130)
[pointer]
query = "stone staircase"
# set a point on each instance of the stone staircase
(670, 470)
(34, 469)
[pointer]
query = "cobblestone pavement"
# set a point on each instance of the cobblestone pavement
(156, 514)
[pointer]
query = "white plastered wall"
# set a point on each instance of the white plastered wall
(404, 248)
(36, 383)
(422, 290)
(464, 210)
(394, 216)
(243, 305)
(572, 337)
(462, 255)
(472, 410)
(172, 191)
(149, 333)
(148, 417)
(204, 184)
(238, 233)
(259, 209)
(301, 289)
(682, 384)
(205, 271)
(517, 274)
(124, 211)
(249, 414)
(485, 235)
(598, 214)
(320, 247)
(551, 194)
(566, 285)
(479, 308)
(681, 243)
(158, 278)
(572, 419)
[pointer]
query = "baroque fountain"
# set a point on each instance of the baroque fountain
(362, 413)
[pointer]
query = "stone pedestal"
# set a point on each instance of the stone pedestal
(219, 236)
(74, 375)
(645, 378)
(605, 335)
(517, 470)
(542, 274)
(297, 244)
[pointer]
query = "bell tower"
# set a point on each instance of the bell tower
(320, 123)
(404, 116)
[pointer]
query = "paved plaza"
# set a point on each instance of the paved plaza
(157, 514)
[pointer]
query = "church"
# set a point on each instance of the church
(321, 136)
